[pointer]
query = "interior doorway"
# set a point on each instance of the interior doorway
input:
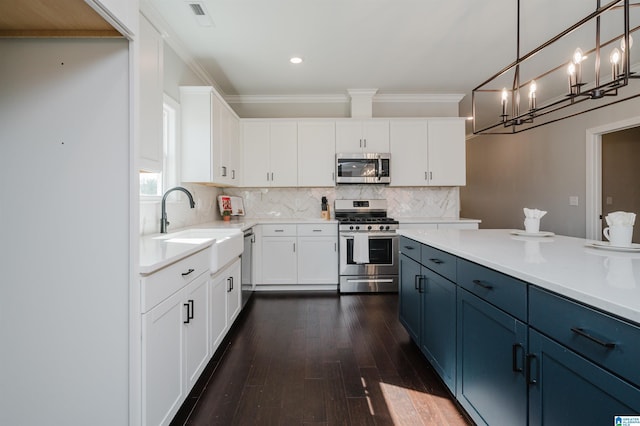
(621, 176)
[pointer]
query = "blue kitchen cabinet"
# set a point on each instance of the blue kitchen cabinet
(438, 342)
(567, 389)
(491, 349)
(410, 297)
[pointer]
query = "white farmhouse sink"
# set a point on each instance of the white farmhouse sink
(227, 243)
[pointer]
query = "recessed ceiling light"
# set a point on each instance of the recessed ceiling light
(295, 60)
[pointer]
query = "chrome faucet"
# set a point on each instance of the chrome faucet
(163, 219)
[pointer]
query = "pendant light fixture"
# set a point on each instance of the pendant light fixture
(497, 109)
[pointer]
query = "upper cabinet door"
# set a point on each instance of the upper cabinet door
(284, 154)
(362, 136)
(409, 150)
(316, 153)
(256, 147)
(151, 87)
(447, 150)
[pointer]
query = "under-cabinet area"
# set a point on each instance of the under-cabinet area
(538, 345)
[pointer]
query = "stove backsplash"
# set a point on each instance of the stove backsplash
(305, 202)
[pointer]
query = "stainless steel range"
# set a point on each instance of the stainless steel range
(368, 246)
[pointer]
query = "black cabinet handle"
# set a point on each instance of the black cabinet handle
(416, 282)
(437, 261)
(514, 358)
(483, 285)
(193, 312)
(409, 247)
(184, 274)
(530, 379)
(581, 332)
(186, 305)
(231, 278)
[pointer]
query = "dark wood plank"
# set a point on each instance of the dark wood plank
(319, 358)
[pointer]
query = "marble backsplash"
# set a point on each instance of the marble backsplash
(305, 202)
(297, 203)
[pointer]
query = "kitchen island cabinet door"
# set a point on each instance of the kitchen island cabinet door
(565, 388)
(438, 342)
(410, 297)
(162, 363)
(491, 384)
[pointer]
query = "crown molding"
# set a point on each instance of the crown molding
(287, 99)
(339, 98)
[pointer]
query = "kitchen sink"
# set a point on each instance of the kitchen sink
(227, 243)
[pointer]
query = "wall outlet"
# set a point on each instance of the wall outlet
(609, 201)
(573, 200)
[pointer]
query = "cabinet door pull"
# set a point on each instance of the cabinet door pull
(333, 176)
(425, 176)
(233, 174)
(581, 332)
(365, 143)
(271, 176)
(231, 278)
(437, 261)
(186, 305)
(267, 176)
(228, 284)
(224, 171)
(483, 285)
(294, 247)
(360, 143)
(430, 175)
(514, 358)
(190, 316)
(530, 379)
(415, 282)
(184, 274)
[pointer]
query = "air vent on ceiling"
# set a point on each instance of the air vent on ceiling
(200, 13)
(197, 9)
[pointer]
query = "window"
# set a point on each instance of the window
(154, 184)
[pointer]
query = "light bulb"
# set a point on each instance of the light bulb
(505, 95)
(578, 56)
(571, 69)
(622, 45)
(532, 88)
(614, 58)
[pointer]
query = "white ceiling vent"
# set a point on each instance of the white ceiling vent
(200, 13)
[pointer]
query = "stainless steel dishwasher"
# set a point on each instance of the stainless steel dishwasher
(247, 266)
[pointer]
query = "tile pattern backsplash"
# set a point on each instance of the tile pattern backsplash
(297, 203)
(305, 202)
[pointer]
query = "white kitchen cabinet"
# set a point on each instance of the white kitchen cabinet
(429, 152)
(317, 254)
(175, 350)
(279, 259)
(270, 153)
(316, 153)
(210, 141)
(224, 301)
(362, 136)
(150, 57)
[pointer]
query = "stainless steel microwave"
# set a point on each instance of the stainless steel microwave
(363, 167)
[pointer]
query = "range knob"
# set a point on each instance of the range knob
(369, 227)
(351, 228)
(357, 228)
(387, 228)
(381, 227)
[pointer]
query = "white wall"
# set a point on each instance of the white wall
(540, 168)
(65, 214)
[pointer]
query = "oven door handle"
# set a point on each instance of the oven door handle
(371, 235)
(371, 280)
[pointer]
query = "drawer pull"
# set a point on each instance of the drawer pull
(437, 261)
(514, 358)
(317, 230)
(184, 274)
(530, 379)
(409, 247)
(581, 332)
(278, 230)
(483, 285)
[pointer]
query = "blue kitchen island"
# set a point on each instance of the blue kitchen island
(525, 329)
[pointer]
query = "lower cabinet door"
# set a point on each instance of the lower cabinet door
(162, 366)
(438, 341)
(491, 383)
(410, 297)
(234, 292)
(318, 260)
(218, 310)
(566, 389)
(196, 343)
(279, 260)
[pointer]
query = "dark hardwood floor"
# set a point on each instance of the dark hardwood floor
(321, 358)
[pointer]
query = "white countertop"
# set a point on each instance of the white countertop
(156, 253)
(607, 280)
(436, 220)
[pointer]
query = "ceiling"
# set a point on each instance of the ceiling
(46, 18)
(397, 46)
